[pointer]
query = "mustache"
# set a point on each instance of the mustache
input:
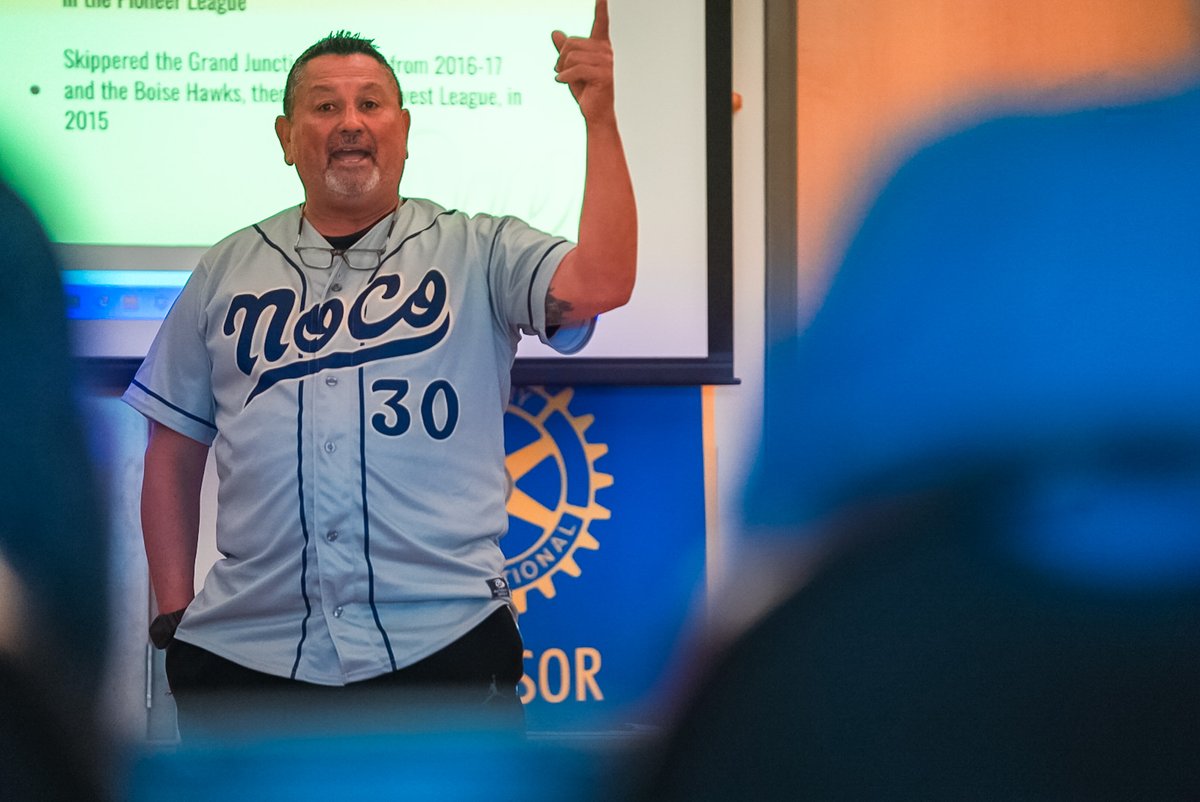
(344, 141)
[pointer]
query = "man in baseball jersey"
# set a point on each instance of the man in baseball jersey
(348, 360)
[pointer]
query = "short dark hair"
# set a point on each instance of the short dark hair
(339, 43)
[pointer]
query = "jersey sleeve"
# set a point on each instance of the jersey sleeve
(173, 386)
(521, 263)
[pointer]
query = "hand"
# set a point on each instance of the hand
(586, 66)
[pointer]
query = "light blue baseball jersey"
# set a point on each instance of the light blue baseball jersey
(356, 413)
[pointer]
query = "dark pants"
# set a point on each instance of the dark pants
(475, 677)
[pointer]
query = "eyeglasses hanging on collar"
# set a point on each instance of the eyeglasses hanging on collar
(321, 258)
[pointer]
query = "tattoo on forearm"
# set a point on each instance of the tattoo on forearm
(556, 310)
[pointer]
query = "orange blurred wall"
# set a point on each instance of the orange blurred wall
(876, 78)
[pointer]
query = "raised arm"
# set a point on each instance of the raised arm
(599, 274)
(171, 514)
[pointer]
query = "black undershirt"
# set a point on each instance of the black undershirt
(346, 241)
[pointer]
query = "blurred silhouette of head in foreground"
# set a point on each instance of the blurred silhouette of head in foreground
(994, 421)
(53, 557)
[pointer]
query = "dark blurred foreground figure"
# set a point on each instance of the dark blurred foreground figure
(363, 744)
(995, 419)
(53, 567)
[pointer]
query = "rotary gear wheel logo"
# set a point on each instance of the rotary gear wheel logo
(553, 483)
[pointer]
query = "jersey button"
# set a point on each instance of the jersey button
(331, 447)
(336, 288)
(331, 381)
(337, 612)
(331, 535)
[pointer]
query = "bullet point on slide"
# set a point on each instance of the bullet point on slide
(33, 90)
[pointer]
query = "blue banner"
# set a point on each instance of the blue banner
(606, 546)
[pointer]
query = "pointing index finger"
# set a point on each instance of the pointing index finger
(600, 22)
